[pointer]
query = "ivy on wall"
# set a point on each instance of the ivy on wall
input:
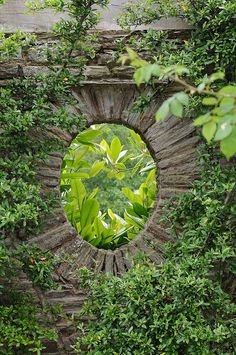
(203, 63)
(27, 112)
(185, 305)
(211, 44)
(204, 244)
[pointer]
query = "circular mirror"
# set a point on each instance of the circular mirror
(108, 185)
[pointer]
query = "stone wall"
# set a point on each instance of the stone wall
(107, 95)
(14, 15)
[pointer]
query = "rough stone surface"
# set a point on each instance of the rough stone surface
(14, 15)
(107, 95)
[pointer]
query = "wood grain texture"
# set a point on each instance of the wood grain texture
(107, 95)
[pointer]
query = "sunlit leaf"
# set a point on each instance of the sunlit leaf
(202, 120)
(88, 136)
(228, 145)
(209, 101)
(163, 111)
(96, 168)
(89, 211)
(208, 130)
(223, 131)
(115, 149)
(176, 108)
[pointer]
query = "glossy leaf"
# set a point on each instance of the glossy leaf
(228, 144)
(88, 136)
(89, 211)
(208, 130)
(223, 131)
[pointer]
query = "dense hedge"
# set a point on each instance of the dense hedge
(185, 305)
(182, 306)
(27, 111)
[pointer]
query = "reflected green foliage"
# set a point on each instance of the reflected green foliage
(93, 163)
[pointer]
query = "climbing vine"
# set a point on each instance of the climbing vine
(28, 110)
(218, 123)
(196, 62)
(208, 48)
(185, 305)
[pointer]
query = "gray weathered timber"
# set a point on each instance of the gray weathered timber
(107, 95)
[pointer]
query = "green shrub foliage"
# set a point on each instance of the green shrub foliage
(27, 113)
(219, 106)
(20, 330)
(182, 306)
(92, 156)
(204, 56)
(185, 305)
(211, 44)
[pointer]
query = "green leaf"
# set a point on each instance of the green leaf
(89, 211)
(115, 149)
(223, 131)
(149, 70)
(93, 193)
(217, 76)
(78, 175)
(228, 90)
(132, 54)
(135, 221)
(131, 195)
(202, 120)
(156, 70)
(201, 87)
(88, 136)
(122, 154)
(98, 227)
(228, 145)
(176, 108)
(140, 210)
(96, 168)
(79, 154)
(163, 111)
(119, 175)
(78, 190)
(87, 232)
(183, 98)
(229, 101)
(139, 76)
(209, 101)
(208, 130)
